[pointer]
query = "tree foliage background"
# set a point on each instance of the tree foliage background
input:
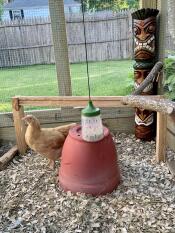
(1, 7)
(114, 5)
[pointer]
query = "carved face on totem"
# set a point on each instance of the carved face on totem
(144, 27)
(139, 76)
(144, 117)
(144, 38)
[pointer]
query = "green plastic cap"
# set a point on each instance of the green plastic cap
(90, 110)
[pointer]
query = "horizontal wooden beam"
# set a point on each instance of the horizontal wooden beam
(72, 101)
(58, 115)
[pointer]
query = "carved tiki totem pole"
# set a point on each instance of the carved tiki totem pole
(144, 28)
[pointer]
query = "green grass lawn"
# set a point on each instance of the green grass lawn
(106, 79)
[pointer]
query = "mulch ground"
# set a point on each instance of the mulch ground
(31, 201)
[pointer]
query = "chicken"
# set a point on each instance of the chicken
(46, 141)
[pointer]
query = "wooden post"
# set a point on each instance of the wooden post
(56, 8)
(161, 119)
(161, 137)
(162, 7)
(148, 4)
(18, 113)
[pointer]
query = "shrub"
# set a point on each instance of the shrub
(169, 86)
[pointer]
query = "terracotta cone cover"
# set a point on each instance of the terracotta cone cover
(89, 167)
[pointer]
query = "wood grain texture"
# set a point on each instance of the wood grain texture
(147, 102)
(71, 101)
(51, 116)
(161, 137)
(148, 4)
(5, 159)
(171, 167)
(117, 119)
(60, 46)
(19, 126)
(171, 132)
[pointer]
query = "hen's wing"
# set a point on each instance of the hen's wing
(52, 139)
(64, 129)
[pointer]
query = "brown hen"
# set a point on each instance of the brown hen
(46, 141)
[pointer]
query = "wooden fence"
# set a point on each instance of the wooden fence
(109, 36)
(29, 41)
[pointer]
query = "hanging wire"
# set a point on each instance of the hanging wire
(85, 42)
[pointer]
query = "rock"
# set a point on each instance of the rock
(123, 230)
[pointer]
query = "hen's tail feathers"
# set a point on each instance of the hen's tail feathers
(65, 128)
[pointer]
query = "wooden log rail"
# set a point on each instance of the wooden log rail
(18, 103)
(162, 105)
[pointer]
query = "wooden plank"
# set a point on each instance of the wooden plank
(7, 134)
(161, 139)
(171, 133)
(119, 124)
(171, 139)
(18, 113)
(171, 166)
(125, 125)
(148, 3)
(171, 124)
(57, 115)
(60, 46)
(72, 101)
(4, 160)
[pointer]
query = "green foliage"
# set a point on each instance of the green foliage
(130, 81)
(114, 5)
(170, 78)
(134, 4)
(1, 8)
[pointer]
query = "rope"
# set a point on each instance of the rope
(85, 41)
